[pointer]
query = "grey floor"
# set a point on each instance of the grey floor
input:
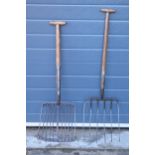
(39, 147)
(78, 152)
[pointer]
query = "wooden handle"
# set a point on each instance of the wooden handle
(57, 24)
(105, 46)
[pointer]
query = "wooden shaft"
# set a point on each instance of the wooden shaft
(58, 60)
(58, 45)
(58, 65)
(104, 52)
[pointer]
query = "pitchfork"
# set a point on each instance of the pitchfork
(100, 103)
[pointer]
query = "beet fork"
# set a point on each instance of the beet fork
(57, 117)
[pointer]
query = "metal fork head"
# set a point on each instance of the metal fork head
(57, 122)
(97, 112)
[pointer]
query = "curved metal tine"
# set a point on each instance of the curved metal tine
(54, 124)
(43, 135)
(104, 112)
(68, 113)
(59, 124)
(65, 117)
(62, 133)
(46, 122)
(97, 116)
(69, 122)
(47, 117)
(65, 114)
(40, 123)
(59, 134)
(49, 122)
(50, 127)
(51, 130)
(84, 114)
(71, 133)
(62, 122)
(111, 102)
(118, 120)
(74, 122)
(90, 116)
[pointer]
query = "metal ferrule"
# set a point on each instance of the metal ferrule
(58, 84)
(102, 84)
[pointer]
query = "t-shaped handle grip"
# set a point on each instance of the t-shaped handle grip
(108, 10)
(57, 23)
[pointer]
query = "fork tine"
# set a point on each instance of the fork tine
(55, 119)
(39, 129)
(97, 116)
(74, 122)
(104, 110)
(118, 121)
(111, 118)
(90, 116)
